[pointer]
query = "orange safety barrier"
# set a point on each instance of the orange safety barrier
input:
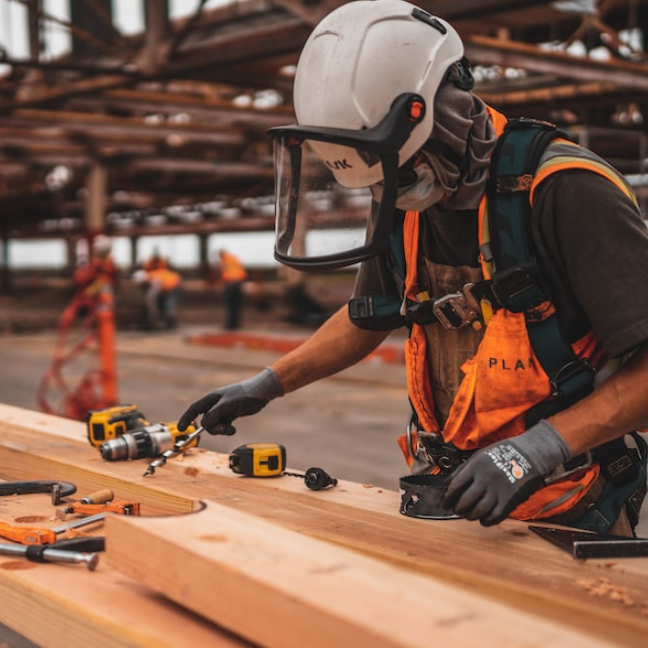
(83, 374)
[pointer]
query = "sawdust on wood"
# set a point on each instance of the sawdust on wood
(602, 587)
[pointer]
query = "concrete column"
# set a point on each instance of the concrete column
(71, 255)
(96, 185)
(5, 273)
(133, 251)
(156, 16)
(203, 258)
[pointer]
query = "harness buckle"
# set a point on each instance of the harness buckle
(517, 289)
(572, 378)
(430, 452)
(457, 310)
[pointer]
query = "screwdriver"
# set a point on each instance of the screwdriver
(47, 554)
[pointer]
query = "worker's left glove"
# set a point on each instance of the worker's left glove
(221, 406)
(496, 479)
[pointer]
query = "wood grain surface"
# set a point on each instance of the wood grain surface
(507, 566)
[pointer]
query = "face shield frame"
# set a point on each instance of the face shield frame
(385, 141)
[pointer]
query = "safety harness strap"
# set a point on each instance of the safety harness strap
(513, 166)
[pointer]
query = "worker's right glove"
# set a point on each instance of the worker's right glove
(221, 406)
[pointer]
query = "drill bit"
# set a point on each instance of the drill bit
(173, 452)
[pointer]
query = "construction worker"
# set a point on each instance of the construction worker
(233, 275)
(99, 270)
(162, 287)
(527, 360)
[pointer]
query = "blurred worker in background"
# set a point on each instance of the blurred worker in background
(527, 360)
(98, 271)
(231, 273)
(162, 287)
(156, 261)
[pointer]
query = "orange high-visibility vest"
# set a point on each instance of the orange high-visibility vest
(168, 279)
(504, 379)
(232, 269)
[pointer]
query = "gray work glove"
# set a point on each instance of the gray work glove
(496, 479)
(221, 406)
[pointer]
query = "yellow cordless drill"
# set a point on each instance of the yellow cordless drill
(147, 441)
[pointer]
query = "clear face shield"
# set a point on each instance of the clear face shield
(327, 216)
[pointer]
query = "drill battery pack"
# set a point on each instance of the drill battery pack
(109, 423)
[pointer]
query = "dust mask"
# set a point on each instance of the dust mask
(420, 193)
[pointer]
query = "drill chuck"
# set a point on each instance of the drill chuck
(149, 441)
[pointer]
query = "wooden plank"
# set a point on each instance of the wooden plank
(281, 589)
(66, 606)
(506, 563)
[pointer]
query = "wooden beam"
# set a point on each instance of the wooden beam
(484, 50)
(242, 224)
(65, 91)
(156, 32)
(471, 9)
(215, 167)
(95, 124)
(65, 606)
(280, 589)
(263, 35)
(506, 563)
(554, 93)
(201, 105)
(100, 12)
(95, 207)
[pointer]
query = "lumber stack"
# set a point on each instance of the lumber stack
(221, 560)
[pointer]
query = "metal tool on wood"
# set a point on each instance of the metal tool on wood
(178, 448)
(100, 502)
(58, 489)
(37, 553)
(585, 544)
(40, 536)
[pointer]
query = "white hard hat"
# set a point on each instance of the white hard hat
(358, 60)
(101, 245)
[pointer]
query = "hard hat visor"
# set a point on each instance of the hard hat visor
(325, 215)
